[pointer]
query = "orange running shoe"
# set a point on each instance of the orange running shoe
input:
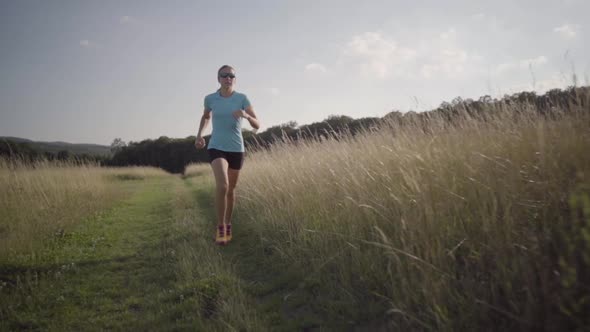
(220, 237)
(228, 232)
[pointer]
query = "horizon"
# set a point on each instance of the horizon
(87, 73)
(259, 132)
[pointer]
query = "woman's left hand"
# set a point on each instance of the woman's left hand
(240, 114)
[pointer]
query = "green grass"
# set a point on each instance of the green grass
(148, 263)
(113, 271)
(48, 198)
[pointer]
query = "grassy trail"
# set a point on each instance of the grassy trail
(283, 298)
(115, 271)
(150, 263)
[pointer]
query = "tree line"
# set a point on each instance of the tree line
(173, 154)
(29, 153)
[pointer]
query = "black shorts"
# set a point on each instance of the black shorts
(235, 160)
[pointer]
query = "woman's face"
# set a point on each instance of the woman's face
(227, 77)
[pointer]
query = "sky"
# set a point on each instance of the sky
(91, 71)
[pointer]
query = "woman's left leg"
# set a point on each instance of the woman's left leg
(235, 162)
(232, 175)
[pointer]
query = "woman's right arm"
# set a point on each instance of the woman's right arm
(200, 141)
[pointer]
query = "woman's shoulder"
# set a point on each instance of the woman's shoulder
(240, 95)
(212, 95)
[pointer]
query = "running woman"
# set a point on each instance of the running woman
(226, 146)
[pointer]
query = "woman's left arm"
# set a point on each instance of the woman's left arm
(251, 117)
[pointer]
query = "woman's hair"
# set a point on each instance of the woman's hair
(223, 67)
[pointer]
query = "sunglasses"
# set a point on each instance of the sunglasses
(224, 75)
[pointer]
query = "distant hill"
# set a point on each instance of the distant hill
(55, 147)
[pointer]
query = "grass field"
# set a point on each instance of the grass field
(478, 225)
(48, 198)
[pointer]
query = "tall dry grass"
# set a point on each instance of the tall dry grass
(44, 199)
(432, 225)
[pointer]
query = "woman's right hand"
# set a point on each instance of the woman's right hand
(200, 142)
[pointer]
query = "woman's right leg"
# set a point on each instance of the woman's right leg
(219, 166)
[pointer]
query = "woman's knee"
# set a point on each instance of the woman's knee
(222, 188)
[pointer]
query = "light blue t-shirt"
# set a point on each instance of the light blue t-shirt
(227, 131)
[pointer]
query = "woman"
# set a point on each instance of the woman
(226, 146)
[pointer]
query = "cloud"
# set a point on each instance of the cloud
(437, 55)
(449, 34)
(554, 81)
(128, 20)
(428, 70)
(522, 64)
(567, 31)
(444, 56)
(478, 16)
(315, 67)
(378, 55)
(89, 44)
(540, 60)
